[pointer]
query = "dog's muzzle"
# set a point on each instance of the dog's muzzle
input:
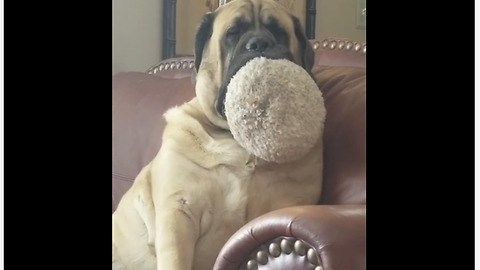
(249, 47)
(258, 44)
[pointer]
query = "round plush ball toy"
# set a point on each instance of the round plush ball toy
(274, 109)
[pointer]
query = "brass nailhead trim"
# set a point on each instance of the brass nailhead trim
(312, 256)
(300, 248)
(252, 265)
(285, 246)
(262, 257)
(341, 45)
(357, 47)
(274, 250)
(178, 64)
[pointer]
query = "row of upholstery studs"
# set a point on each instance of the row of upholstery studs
(286, 246)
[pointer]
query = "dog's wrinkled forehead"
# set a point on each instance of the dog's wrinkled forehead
(254, 13)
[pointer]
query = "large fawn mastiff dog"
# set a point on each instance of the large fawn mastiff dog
(203, 186)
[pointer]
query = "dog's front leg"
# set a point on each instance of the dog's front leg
(177, 226)
(179, 210)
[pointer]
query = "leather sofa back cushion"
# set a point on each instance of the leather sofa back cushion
(344, 91)
(139, 101)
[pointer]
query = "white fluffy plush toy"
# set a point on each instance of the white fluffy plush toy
(274, 109)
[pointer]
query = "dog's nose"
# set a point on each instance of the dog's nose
(257, 44)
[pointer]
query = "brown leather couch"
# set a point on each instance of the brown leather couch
(330, 235)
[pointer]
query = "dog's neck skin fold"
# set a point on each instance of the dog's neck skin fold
(207, 98)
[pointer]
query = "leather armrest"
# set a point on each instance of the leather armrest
(301, 237)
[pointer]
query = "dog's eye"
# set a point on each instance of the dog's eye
(238, 27)
(233, 31)
(279, 33)
(277, 30)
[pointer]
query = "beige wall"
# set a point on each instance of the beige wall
(337, 18)
(136, 34)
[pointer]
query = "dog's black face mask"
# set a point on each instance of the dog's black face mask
(243, 42)
(246, 40)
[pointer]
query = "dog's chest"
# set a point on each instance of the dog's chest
(257, 187)
(242, 187)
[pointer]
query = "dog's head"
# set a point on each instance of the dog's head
(235, 33)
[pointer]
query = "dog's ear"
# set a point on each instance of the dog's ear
(204, 32)
(306, 48)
